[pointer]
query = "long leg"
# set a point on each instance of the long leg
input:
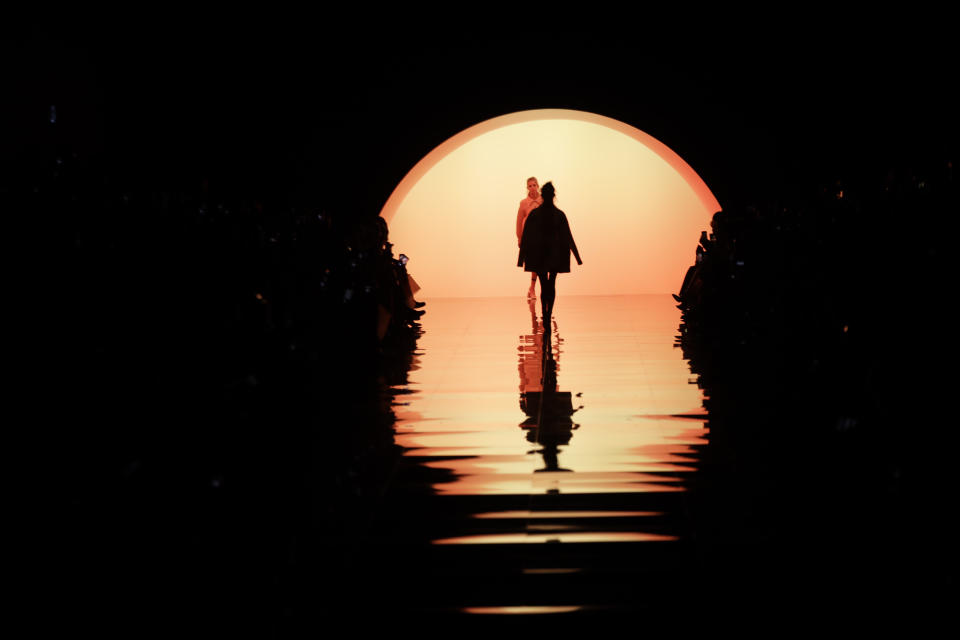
(548, 292)
(544, 295)
(552, 278)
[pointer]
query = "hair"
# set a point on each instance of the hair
(534, 178)
(547, 191)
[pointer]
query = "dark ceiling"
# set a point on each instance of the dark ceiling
(335, 116)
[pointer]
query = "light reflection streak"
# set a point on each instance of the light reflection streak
(566, 514)
(623, 422)
(570, 538)
(489, 486)
(489, 460)
(519, 610)
(550, 571)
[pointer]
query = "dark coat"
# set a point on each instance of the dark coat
(547, 242)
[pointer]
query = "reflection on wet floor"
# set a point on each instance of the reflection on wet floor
(588, 461)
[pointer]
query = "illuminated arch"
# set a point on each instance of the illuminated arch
(707, 202)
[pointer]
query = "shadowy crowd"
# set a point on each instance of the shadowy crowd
(812, 328)
(213, 371)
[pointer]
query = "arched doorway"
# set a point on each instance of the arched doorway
(635, 207)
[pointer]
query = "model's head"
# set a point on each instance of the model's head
(548, 192)
(533, 188)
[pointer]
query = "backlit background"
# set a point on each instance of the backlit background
(635, 208)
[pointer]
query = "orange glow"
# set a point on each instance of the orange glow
(635, 207)
(614, 354)
(528, 610)
(550, 571)
(531, 515)
(541, 538)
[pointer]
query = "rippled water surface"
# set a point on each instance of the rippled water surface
(563, 462)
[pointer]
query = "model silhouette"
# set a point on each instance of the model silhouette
(528, 204)
(545, 247)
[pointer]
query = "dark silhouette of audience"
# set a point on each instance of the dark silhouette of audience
(215, 370)
(823, 375)
(217, 383)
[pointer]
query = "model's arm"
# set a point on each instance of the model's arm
(520, 254)
(573, 245)
(520, 218)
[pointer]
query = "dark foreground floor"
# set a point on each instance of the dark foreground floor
(503, 476)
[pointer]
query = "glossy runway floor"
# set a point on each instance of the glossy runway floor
(544, 470)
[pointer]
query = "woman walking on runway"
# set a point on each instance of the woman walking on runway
(528, 204)
(545, 247)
